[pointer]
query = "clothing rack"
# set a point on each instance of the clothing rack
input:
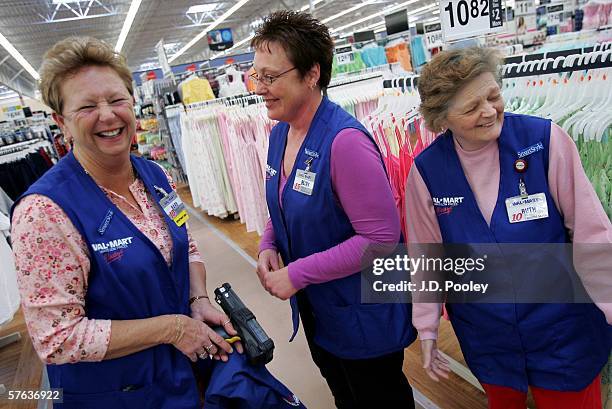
(17, 147)
(579, 59)
(355, 78)
(567, 61)
(248, 99)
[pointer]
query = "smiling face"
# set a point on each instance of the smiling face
(476, 113)
(97, 113)
(287, 96)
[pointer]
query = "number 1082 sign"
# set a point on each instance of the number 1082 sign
(467, 18)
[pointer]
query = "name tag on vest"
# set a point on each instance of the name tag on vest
(304, 181)
(532, 207)
(174, 208)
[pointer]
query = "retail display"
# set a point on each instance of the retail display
(22, 164)
(225, 144)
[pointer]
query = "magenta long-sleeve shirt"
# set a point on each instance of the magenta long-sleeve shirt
(362, 189)
(570, 189)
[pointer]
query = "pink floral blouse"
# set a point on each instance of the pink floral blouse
(52, 262)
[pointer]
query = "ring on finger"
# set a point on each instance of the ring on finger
(203, 356)
(208, 348)
(226, 322)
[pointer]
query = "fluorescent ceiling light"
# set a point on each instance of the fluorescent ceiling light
(342, 13)
(380, 30)
(202, 8)
(207, 29)
(249, 38)
(371, 16)
(314, 3)
(127, 24)
(17, 55)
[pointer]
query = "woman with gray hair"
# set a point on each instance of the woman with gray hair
(485, 157)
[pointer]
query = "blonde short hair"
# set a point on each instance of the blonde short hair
(68, 56)
(446, 74)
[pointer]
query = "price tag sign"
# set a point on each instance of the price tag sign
(468, 18)
(433, 35)
(15, 115)
(554, 14)
(344, 55)
(524, 8)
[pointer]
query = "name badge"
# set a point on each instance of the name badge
(174, 208)
(304, 181)
(523, 209)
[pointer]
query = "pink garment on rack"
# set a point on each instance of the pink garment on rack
(572, 193)
(373, 215)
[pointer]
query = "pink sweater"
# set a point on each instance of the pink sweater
(572, 193)
(362, 188)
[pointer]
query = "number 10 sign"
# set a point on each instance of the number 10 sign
(467, 18)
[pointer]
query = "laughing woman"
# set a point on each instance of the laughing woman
(113, 289)
(486, 156)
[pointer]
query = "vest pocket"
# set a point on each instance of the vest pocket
(385, 327)
(137, 398)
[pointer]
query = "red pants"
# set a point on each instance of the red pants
(502, 397)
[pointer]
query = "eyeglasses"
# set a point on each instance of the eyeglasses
(268, 79)
(87, 111)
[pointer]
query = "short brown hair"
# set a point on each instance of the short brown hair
(305, 40)
(68, 56)
(446, 74)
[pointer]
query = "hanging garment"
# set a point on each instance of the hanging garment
(231, 83)
(18, 175)
(551, 346)
(313, 222)
(174, 125)
(9, 293)
(234, 141)
(5, 203)
(373, 56)
(195, 89)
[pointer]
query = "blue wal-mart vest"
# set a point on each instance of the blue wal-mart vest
(554, 346)
(131, 281)
(310, 224)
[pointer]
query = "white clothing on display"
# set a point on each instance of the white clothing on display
(231, 83)
(9, 294)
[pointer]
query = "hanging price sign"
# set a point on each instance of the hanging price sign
(433, 35)
(15, 115)
(554, 14)
(468, 18)
(524, 8)
(344, 55)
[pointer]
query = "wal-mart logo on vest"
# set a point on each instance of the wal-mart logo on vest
(112, 245)
(445, 205)
(270, 173)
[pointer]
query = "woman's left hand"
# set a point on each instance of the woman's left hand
(203, 310)
(278, 284)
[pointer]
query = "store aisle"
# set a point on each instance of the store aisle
(292, 363)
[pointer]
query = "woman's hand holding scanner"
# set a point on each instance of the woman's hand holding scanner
(268, 261)
(433, 362)
(203, 310)
(196, 339)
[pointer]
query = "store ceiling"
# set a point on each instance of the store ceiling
(32, 26)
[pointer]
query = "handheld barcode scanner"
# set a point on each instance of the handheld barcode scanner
(258, 345)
